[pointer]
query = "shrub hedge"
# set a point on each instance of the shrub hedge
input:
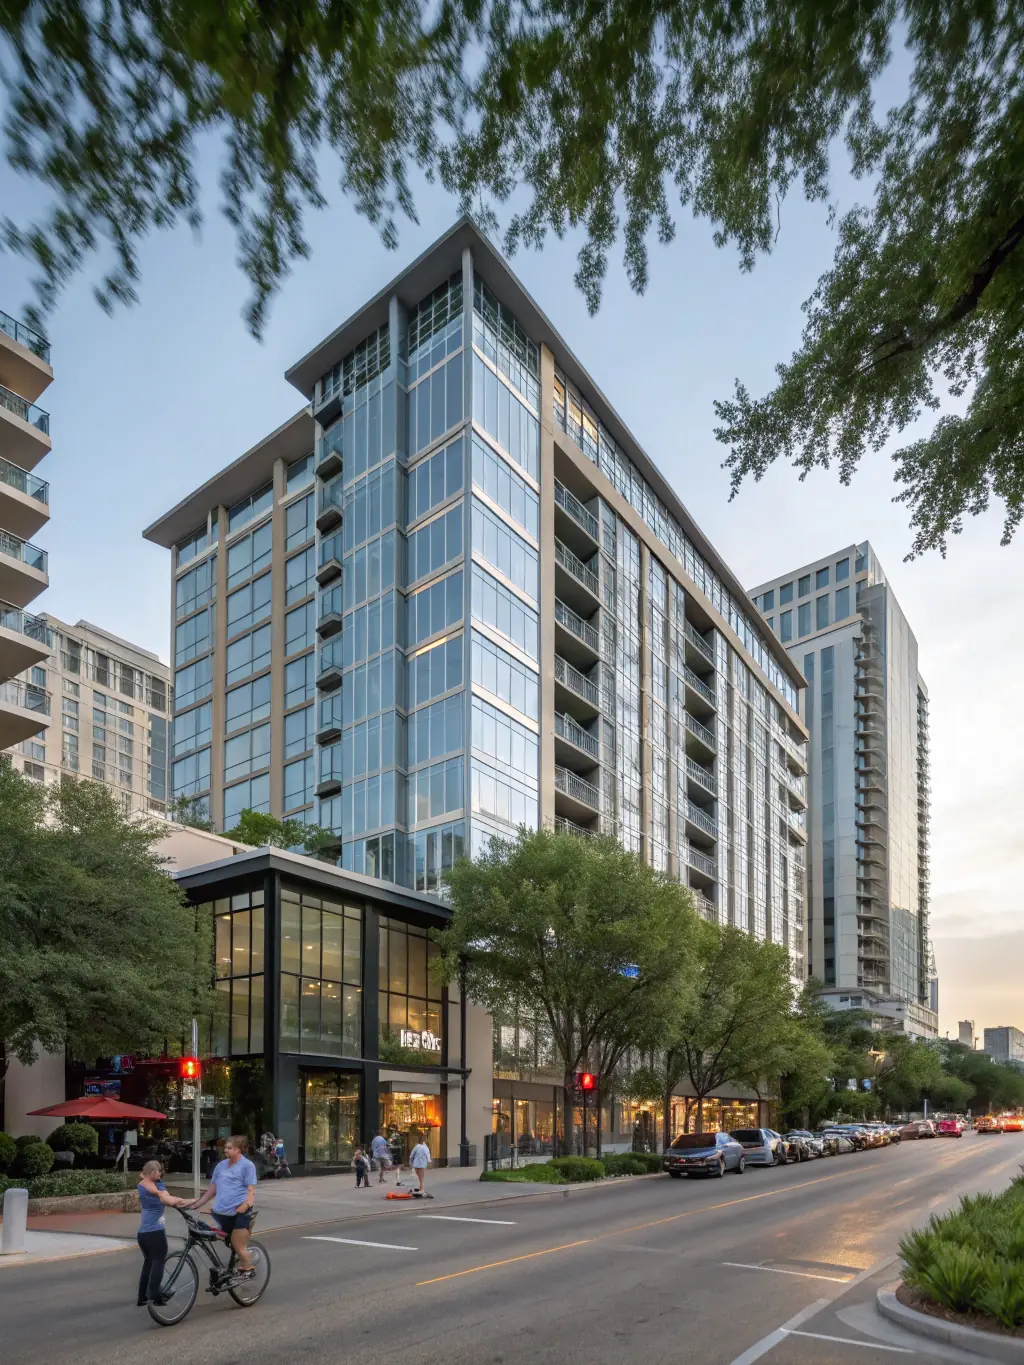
(8, 1151)
(34, 1158)
(65, 1183)
(972, 1258)
(80, 1138)
(574, 1170)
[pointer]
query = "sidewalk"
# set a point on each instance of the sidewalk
(60, 1246)
(304, 1200)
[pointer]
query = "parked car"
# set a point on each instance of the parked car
(988, 1123)
(856, 1133)
(949, 1128)
(798, 1143)
(761, 1146)
(918, 1128)
(881, 1132)
(814, 1142)
(1013, 1123)
(838, 1142)
(704, 1154)
(895, 1133)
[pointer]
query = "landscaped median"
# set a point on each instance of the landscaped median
(963, 1276)
(576, 1170)
(74, 1192)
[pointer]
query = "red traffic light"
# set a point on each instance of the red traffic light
(588, 1081)
(189, 1068)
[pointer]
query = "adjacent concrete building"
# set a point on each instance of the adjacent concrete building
(866, 706)
(1005, 1044)
(25, 639)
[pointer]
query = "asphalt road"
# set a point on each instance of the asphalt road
(777, 1265)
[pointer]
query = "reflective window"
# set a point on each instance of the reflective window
(435, 608)
(370, 803)
(804, 619)
(508, 552)
(504, 677)
(768, 600)
(195, 588)
(248, 703)
(370, 571)
(190, 775)
(499, 608)
(433, 480)
(299, 575)
(299, 680)
(300, 628)
(804, 586)
(842, 570)
(433, 730)
(249, 605)
(369, 506)
(253, 794)
(191, 546)
(496, 477)
(434, 670)
(786, 626)
(368, 689)
(821, 613)
(237, 1024)
(842, 603)
(193, 636)
(435, 404)
(298, 732)
(249, 555)
(298, 783)
(435, 326)
(502, 340)
(499, 796)
(191, 729)
(369, 629)
(321, 975)
(434, 545)
(505, 418)
(821, 578)
(785, 594)
(193, 682)
(300, 472)
(248, 655)
(298, 522)
(244, 753)
(433, 791)
(500, 737)
(368, 746)
(250, 508)
(431, 853)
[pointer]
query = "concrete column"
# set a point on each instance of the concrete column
(547, 587)
(219, 671)
(277, 611)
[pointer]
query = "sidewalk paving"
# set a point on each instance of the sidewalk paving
(60, 1246)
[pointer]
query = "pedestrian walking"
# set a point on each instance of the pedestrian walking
(419, 1160)
(381, 1153)
(362, 1164)
(281, 1160)
(152, 1236)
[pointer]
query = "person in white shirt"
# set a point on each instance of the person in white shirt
(419, 1160)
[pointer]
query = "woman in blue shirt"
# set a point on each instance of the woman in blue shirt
(153, 1197)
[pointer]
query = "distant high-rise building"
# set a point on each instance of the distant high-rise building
(866, 707)
(24, 509)
(1005, 1044)
(967, 1036)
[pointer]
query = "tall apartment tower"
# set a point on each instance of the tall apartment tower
(866, 707)
(24, 508)
(114, 703)
(452, 595)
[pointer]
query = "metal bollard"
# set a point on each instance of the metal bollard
(12, 1234)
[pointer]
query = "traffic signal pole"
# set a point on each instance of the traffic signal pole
(196, 1106)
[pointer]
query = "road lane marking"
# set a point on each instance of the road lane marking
(773, 1339)
(451, 1218)
(353, 1242)
(847, 1341)
(638, 1227)
(777, 1270)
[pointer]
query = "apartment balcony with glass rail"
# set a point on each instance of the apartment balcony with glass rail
(578, 583)
(329, 560)
(574, 795)
(328, 664)
(24, 358)
(329, 506)
(579, 640)
(23, 570)
(330, 771)
(572, 517)
(586, 745)
(328, 453)
(24, 429)
(24, 711)
(582, 688)
(330, 617)
(24, 500)
(24, 640)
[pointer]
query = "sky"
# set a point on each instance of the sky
(150, 402)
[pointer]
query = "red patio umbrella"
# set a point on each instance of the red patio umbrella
(96, 1108)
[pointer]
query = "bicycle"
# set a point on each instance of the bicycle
(180, 1286)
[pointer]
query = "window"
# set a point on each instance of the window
(842, 570)
(193, 683)
(245, 752)
(511, 745)
(431, 852)
(768, 600)
(299, 680)
(249, 605)
(193, 636)
(504, 677)
(300, 472)
(253, 794)
(250, 508)
(299, 628)
(842, 603)
(433, 545)
(299, 574)
(496, 477)
(321, 975)
(435, 670)
(498, 795)
(804, 586)
(250, 555)
(821, 613)
(195, 588)
(499, 608)
(505, 418)
(786, 626)
(368, 630)
(785, 594)
(821, 578)
(508, 552)
(238, 958)
(433, 791)
(370, 570)
(502, 340)
(72, 689)
(35, 771)
(191, 546)
(771, 622)
(370, 506)
(435, 608)
(369, 688)
(804, 619)
(433, 480)
(371, 745)
(298, 732)
(248, 703)
(298, 522)
(435, 404)
(70, 722)
(191, 775)
(298, 783)
(69, 707)
(191, 729)
(248, 655)
(861, 563)
(432, 732)
(38, 676)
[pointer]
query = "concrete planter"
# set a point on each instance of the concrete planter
(121, 1201)
(988, 1345)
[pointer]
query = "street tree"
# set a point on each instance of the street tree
(99, 951)
(590, 118)
(261, 830)
(192, 811)
(578, 932)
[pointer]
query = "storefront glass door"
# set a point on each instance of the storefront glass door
(330, 1116)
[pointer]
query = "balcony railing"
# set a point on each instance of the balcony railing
(28, 412)
(564, 826)
(329, 443)
(569, 503)
(704, 907)
(575, 734)
(701, 731)
(29, 554)
(574, 565)
(576, 787)
(701, 820)
(32, 627)
(24, 482)
(576, 681)
(701, 861)
(699, 642)
(36, 344)
(576, 625)
(25, 695)
(702, 775)
(698, 685)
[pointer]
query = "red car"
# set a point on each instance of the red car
(949, 1128)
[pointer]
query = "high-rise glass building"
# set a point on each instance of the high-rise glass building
(452, 596)
(25, 639)
(866, 707)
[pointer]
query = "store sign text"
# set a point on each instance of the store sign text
(424, 1042)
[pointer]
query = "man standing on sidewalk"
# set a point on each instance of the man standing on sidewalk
(381, 1153)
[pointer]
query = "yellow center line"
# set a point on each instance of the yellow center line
(637, 1227)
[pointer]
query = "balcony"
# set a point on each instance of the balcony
(329, 564)
(578, 640)
(578, 583)
(700, 863)
(699, 823)
(330, 771)
(796, 787)
(24, 429)
(23, 570)
(24, 711)
(565, 826)
(329, 621)
(702, 776)
(329, 723)
(329, 665)
(574, 796)
(797, 825)
(328, 453)
(699, 737)
(698, 642)
(584, 745)
(704, 906)
(573, 522)
(24, 640)
(698, 692)
(24, 358)
(24, 500)
(796, 754)
(329, 514)
(580, 686)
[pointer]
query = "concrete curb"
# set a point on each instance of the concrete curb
(27, 1259)
(118, 1201)
(1008, 1350)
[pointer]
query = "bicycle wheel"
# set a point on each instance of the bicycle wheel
(246, 1292)
(179, 1289)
